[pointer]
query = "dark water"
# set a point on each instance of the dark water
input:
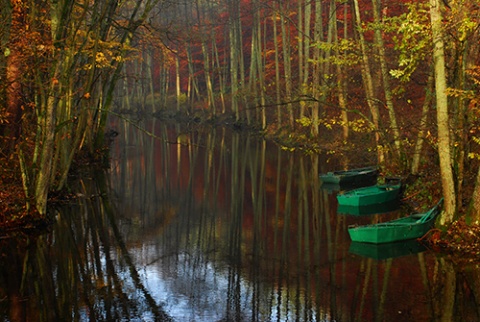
(218, 226)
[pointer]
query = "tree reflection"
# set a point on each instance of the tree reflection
(82, 271)
(218, 226)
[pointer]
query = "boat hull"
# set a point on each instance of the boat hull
(411, 227)
(366, 175)
(369, 195)
(388, 234)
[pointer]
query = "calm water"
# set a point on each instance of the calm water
(204, 225)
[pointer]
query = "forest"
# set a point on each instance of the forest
(399, 78)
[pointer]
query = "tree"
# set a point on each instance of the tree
(386, 77)
(368, 83)
(444, 152)
(67, 59)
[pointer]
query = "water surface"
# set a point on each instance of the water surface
(214, 225)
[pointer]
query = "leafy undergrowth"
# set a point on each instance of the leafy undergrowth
(18, 214)
(460, 241)
(15, 214)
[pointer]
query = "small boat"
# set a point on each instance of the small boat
(371, 195)
(410, 227)
(353, 176)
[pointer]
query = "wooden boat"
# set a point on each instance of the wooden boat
(353, 176)
(410, 227)
(371, 195)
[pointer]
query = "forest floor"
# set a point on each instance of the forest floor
(16, 212)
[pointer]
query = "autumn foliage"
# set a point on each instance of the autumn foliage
(320, 76)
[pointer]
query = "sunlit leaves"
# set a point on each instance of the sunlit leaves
(349, 52)
(413, 40)
(475, 155)
(103, 54)
(360, 125)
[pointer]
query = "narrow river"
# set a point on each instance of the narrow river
(215, 225)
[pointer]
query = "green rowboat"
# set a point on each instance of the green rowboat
(371, 195)
(410, 227)
(353, 176)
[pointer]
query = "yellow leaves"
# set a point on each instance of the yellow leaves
(101, 60)
(100, 53)
(458, 93)
(304, 121)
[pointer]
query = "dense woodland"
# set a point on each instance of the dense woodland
(400, 78)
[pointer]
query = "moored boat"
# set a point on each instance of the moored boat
(370, 195)
(353, 176)
(410, 227)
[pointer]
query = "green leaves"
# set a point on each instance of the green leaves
(412, 40)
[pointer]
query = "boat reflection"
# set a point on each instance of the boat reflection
(385, 251)
(369, 210)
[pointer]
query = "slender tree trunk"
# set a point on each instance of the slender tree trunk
(317, 76)
(178, 84)
(368, 84)
(341, 77)
(44, 177)
(275, 16)
(14, 72)
(300, 45)
(287, 69)
(261, 73)
(474, 207)
(304, 81)
(422, 127)
(220, 74)
(255, 50)
(201, 16)
(386, 78)
(234, 59)
(444, 152)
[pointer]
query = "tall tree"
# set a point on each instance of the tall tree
(444, 152)
(75, 53)
(378, 22)
(368, 83)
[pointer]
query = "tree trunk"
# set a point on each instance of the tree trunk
(444, 152)
(386, 78)
(43, 180)
(317, 77)
(15, 46)
(287, 68)
(417, 154)
(474, 207)
(341, 77)
(277, 64)
(368, 84)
